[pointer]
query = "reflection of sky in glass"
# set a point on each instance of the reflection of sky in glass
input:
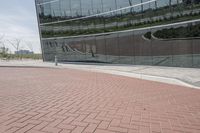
(89, 7)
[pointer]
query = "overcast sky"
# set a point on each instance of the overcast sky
(18, 20)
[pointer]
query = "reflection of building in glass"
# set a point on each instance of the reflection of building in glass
(144, 32)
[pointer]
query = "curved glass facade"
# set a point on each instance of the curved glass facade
(142, 32)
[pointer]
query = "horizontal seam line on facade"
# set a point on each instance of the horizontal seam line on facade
(120, 9)
(138, 29)
(44, 3)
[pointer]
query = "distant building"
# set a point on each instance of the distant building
(24, 52)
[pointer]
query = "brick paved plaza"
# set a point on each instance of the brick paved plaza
(42, 100)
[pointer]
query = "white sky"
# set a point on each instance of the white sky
(18, 20)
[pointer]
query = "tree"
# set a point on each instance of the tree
(16, 44)
(3, 49)
(142, 6)
(4, 52)
(170, 5)
(196, 1)
(1, 39)
(187, 2)
(132, 9)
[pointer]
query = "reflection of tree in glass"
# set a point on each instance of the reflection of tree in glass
(132, 9)
(190, 31)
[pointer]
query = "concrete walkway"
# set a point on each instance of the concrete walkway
(46, 100)
(189, 77)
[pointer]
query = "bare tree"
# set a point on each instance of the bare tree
(2, 43)
(15, 43)
(3, 49)
(132, 9)
(170, 5)
(1, 37)
(142, 6)
(1, 40)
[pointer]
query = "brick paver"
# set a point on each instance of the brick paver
(41, 100)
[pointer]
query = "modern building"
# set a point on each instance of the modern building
(141, 32)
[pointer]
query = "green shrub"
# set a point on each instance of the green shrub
(148, 35)
(180, 32)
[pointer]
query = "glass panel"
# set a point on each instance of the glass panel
(55, 11)
(100, 49)
(50, 51)
(65, 9)
(90, 48)
(112, 48)
(76, 10)
(122, 3)
(45, 13)
(182, 46)
(162, 52)
(126, 47)
(143, 48)
(109, 5)
(196, 53)
(67, 50)
(87, 8)
(97, 6)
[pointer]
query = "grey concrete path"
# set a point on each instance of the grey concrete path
(189, 77)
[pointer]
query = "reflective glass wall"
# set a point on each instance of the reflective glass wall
(142, 32)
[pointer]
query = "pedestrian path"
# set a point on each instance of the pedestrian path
(189, 77)
(46, 100)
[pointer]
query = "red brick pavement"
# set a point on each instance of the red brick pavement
(41, 100)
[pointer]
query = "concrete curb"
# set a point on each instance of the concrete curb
(167, 80)
(26, 66)
(155, 78)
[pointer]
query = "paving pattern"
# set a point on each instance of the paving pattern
(42, 100)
